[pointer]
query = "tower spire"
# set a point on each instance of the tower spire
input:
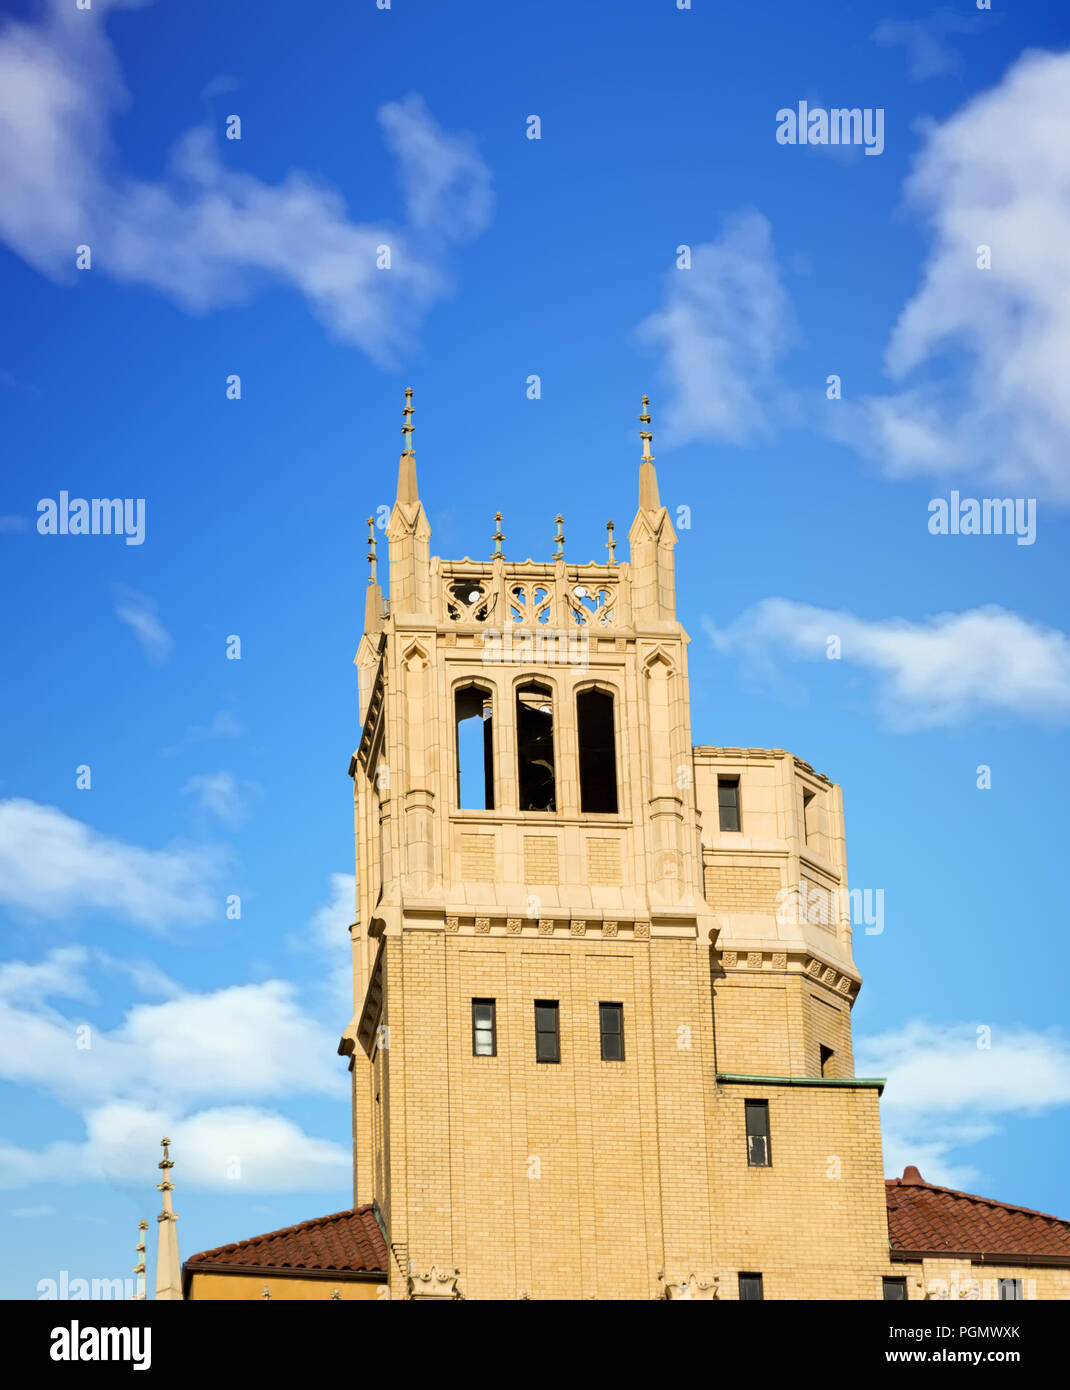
(168, 1272)
(648, 478)
(498, 537)
(559, 539)
(139, 1268)
(407, 490)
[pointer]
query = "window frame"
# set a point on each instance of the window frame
(757, 1106)
(521, 685)
(611, 1010)
(608, 692)
(755, 1280)
(554, 1033)
(490, 696)
(493, 1005)
(736, 780)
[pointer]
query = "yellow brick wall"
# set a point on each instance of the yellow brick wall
(591, 1179)
(814, 1223)
(741, 889)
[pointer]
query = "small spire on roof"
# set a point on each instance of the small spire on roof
(648, 478)
(611, 544)
(559, 539)
(407, 489)
(139, 1268)
(408, 410)
(497, 538)
(371, 550)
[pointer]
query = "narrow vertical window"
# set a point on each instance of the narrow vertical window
(758, 1150)
(598, 752)
(827, 1054)
(728, 802)
(750, 1287)
(1010, 1289)
(895, 1290)
(809, 816)
(547, 1031)
(475, 749)
(484, 1028)
(611, 1026)
(535, 747)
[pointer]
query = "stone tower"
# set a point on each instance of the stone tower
(601, 1042)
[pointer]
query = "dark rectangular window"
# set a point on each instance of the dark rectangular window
(1010, 1289)
(809, 816)
(758, 1151)
(611, 1023)
(827, 1067)
(728, 802)
(484, 1028)
(895, 1290)
(750, 1287)
(547, 1031)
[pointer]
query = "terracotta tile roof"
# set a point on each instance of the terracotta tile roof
(349, 1242)
(922, 1216)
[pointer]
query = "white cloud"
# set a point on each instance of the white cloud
(934, 672)
(188, 1067)
(237, 1043)
(327, 932)
(952, 1085)
(981, 354)
(218, 792)
(204, 234)
(139, 614)
(721, 329)
(53, 866)
(232, 1148)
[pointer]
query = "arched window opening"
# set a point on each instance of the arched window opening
(475, 749)
(535, 747)
(598, 752)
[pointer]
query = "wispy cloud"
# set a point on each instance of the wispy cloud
(720, 332)
(53, 867)
(954, 1085)
(204, 234)
(936, 671)
(139, 613)
(925, 41)
(219, 794)
(980, 353)
(327, 933)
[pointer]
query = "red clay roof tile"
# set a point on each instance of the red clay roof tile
(922, 1216)
(346, 1241)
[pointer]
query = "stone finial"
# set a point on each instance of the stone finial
(168, 1271)
(648, 478)
(498, 537)
(372, 558)
(611, 544)
(407, 489)
(559, 538)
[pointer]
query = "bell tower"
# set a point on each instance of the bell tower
(535, 951)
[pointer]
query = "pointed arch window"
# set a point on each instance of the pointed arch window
(474, 726)
(598, 752)
(536, 785)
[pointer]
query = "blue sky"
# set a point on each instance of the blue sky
(511, 257)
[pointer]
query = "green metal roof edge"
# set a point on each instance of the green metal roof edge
(843, 1082)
